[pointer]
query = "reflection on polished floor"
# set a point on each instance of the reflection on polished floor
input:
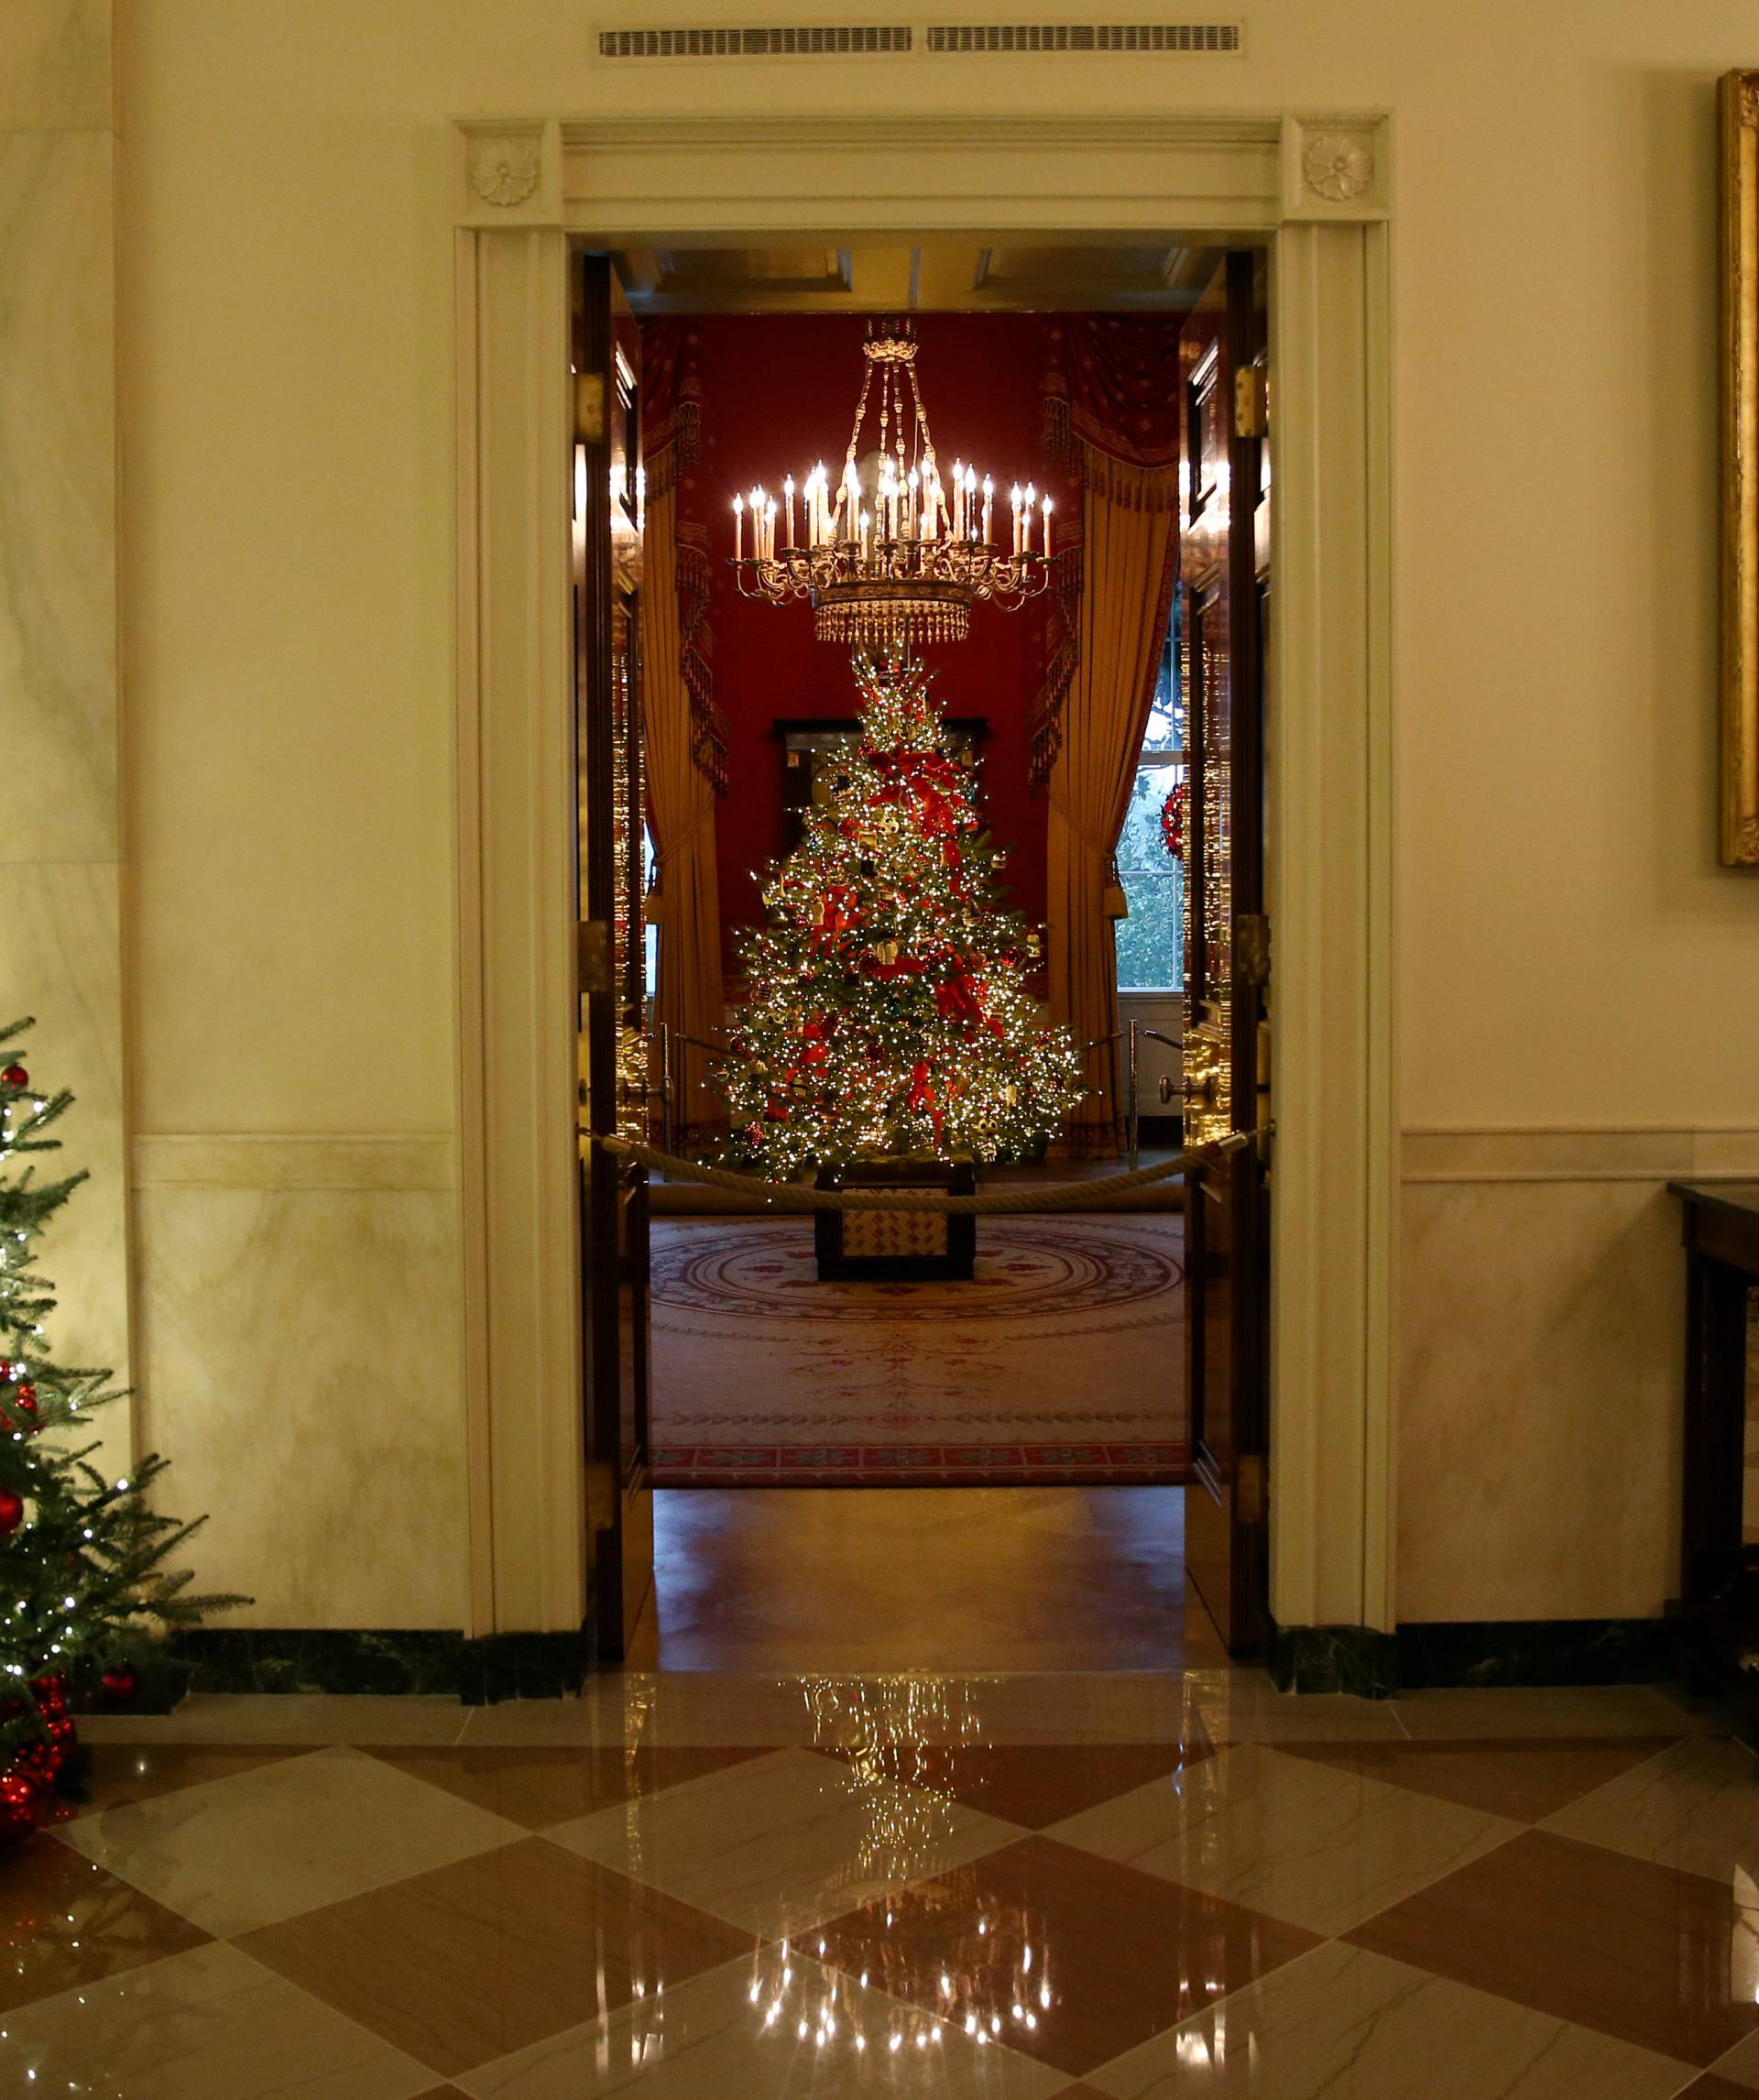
(704, 1887)
(936, 1578)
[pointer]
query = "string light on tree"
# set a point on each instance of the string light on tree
(889, 1013)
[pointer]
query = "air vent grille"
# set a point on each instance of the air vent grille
(824, 40)
(1085, 36)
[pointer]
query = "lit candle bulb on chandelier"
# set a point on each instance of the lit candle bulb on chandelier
(1026, 519)
(770, 529)
(1015, 499)
(989, 496)
(738, 528)
(1046, 512)
(958, 499)
(931, 502)
(788, 492)
(864, 535)
(913, 484)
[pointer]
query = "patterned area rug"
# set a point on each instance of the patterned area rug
(1061, 1361)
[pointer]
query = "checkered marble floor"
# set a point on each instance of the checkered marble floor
(704, 1888)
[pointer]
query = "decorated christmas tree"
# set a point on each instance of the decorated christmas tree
(889, 1013)
(84, 1589)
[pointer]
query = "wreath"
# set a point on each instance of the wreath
(1174, 812)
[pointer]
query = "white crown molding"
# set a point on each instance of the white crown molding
(1198, 172)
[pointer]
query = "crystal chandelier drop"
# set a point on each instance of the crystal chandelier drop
(895, 553)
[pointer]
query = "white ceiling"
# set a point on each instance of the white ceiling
(942, 275)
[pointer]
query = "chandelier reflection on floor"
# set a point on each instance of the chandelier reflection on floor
(895, 554)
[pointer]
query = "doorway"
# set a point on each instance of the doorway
(1330, 1522)
(1054, 1389)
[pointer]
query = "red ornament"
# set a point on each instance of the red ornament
(15, 1076)
(120, 1684)
(12, 1512)
(21, 1805)
(1173, 811)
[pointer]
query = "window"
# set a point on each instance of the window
(1150, 941)
(650, 929)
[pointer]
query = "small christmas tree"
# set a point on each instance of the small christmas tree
(84, 1590)
(889, 1014)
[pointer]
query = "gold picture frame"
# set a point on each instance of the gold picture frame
(1740, 767)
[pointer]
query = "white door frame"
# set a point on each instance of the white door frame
(1316, 190)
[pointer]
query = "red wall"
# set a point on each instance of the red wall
(778, 394)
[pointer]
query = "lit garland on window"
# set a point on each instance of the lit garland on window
(889, 1013)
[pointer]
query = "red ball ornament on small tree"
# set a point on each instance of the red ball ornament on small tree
(120, 1685)
(12, 1512)
(15, 1076)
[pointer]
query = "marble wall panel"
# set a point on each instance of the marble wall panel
(1541, 1338)
(56, 74)
(57, 610)
(300, 1367)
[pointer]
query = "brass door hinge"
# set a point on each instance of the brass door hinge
(601, 1495)
(1249, 402)
(1249, 1488)
(593, 949)
(589, 407)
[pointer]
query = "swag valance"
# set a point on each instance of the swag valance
(1112, 404)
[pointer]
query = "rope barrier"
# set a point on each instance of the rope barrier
(1056, 1195)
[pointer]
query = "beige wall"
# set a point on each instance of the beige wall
(60, 846)
(1571, 954)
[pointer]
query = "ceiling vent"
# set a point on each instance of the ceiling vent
(821, 40)
(1119, 37)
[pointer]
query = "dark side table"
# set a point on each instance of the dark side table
(1716, 1623)
(897, 1246)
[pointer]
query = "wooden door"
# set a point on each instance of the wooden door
(1225, 578)
(612, 805)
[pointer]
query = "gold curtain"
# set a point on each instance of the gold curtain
(1128, 556)
(681, 798)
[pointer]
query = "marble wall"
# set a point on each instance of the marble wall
(1542, 1323)
(298, 1315)
(60, 934)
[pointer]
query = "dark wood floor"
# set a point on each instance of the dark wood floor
(942, 1579)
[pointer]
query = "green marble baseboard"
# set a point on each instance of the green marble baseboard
(393, 1663)
(1484, 1652)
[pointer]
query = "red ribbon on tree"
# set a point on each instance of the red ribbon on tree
(957, 999)
(836, 913)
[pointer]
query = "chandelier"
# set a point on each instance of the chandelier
(895, 553)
